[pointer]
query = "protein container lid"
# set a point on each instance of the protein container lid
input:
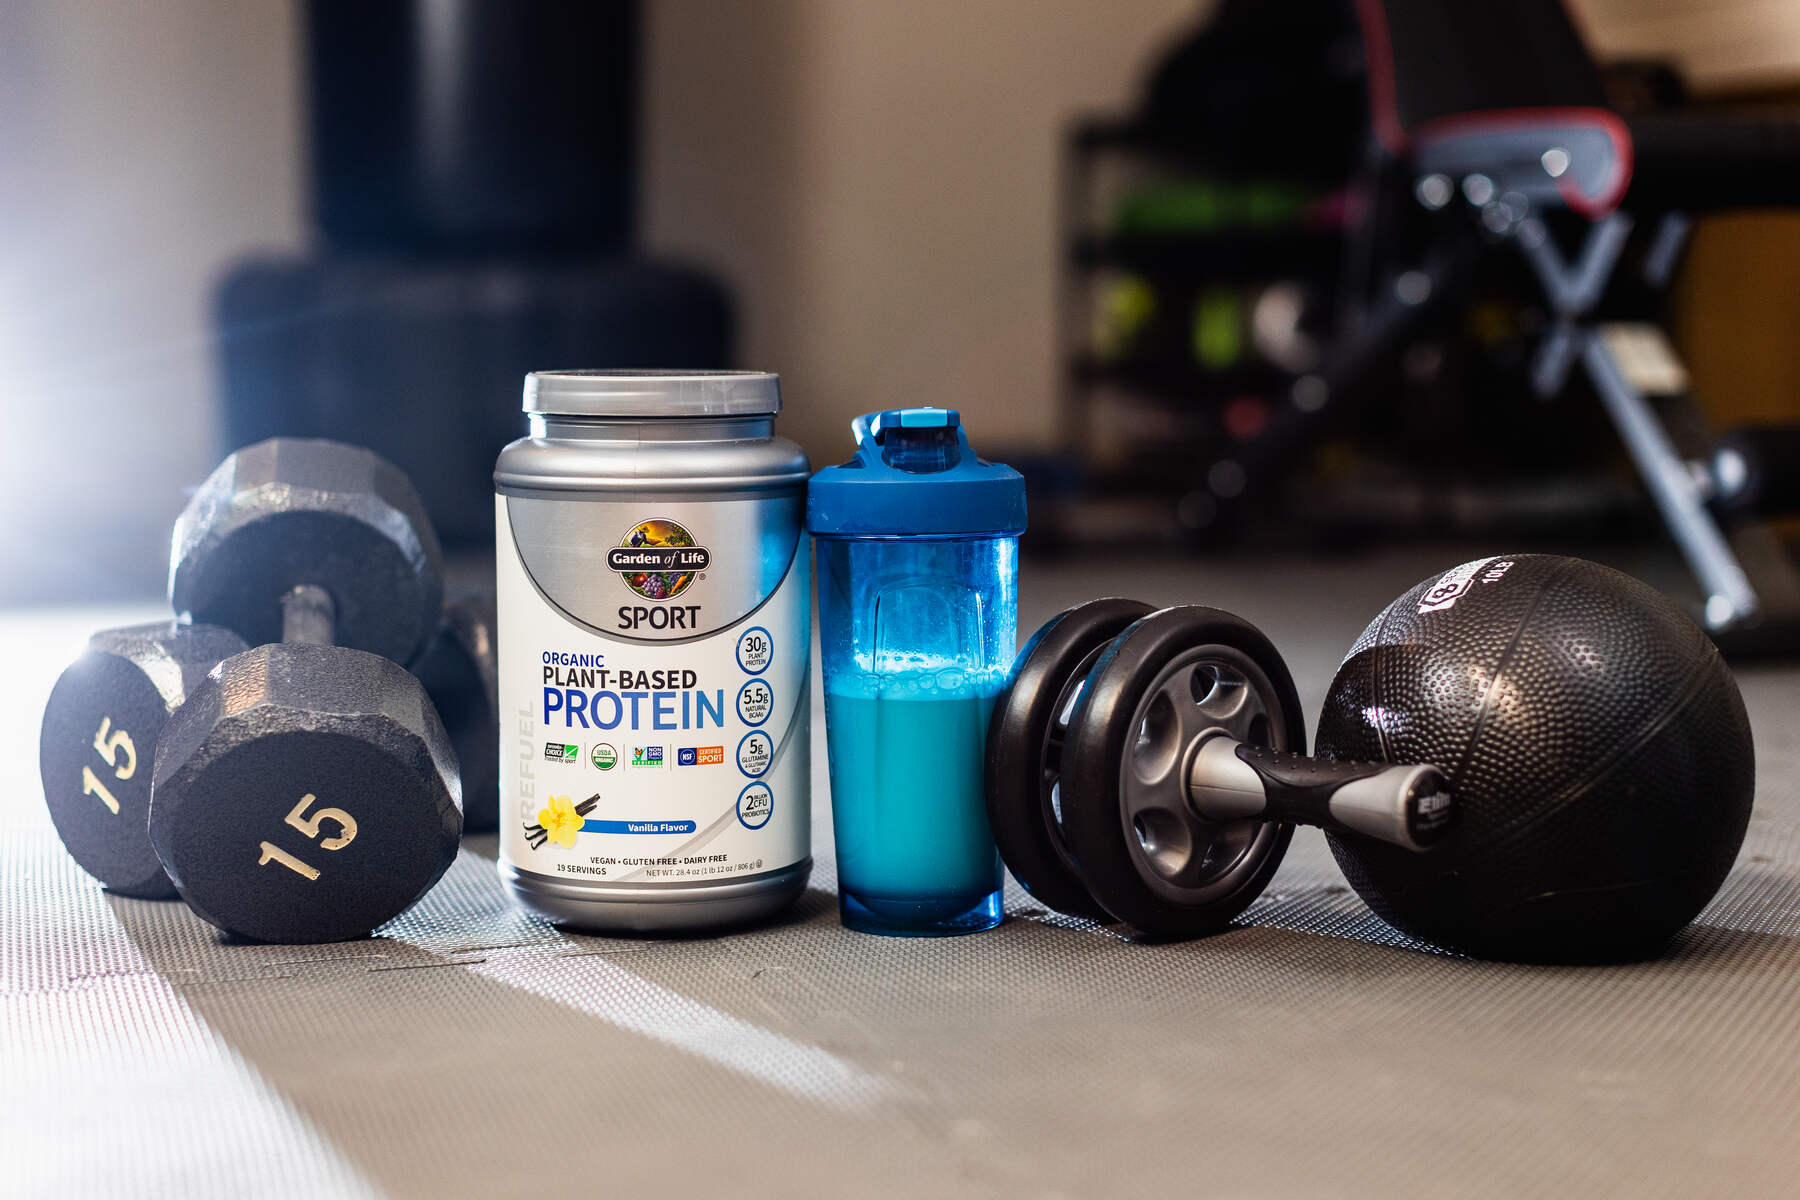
(653, 393)
(915, 474)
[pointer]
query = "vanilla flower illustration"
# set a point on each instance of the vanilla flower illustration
(560, 821)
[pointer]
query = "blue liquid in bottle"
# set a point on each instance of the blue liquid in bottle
(918, 637)
(918, 543)
(913, 842)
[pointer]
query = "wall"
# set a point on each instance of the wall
(877, 180)
(142, 147)
(874, 178)
(1736, 312)
(1720, 45)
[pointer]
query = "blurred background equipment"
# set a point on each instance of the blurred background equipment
(1272, 316)
(1201, 237)
(1502, 121)
(1215, 242)
(474, 174)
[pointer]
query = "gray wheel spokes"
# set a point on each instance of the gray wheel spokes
(1224, 699)
(1056, 738)
(1166, 837)
(1051, 769)
(1202, 691)
(1188, 700)
(1065, 710)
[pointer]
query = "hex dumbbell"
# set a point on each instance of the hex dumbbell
(460, 675)
(307, 790)
(97, 746)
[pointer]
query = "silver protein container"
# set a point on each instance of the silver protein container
(654, 634)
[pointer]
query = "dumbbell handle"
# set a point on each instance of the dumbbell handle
(308, 615)
(1410, 806)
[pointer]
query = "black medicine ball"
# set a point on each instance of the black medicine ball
(1595, 742)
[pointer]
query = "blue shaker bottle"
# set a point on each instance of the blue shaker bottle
(918, 546)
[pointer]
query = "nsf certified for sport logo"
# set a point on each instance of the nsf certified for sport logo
(658, 559)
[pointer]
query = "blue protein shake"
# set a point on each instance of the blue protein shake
(917, 544)
(913, 843)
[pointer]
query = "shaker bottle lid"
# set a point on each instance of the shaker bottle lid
(914, 473)
(653, 393)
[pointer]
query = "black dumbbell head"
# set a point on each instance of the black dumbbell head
(459, 674)
(1027, 737)
(97, 748)
(305, 794)
(1144, 853)
(290, 511)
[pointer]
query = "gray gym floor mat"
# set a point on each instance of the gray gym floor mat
(473, 1050)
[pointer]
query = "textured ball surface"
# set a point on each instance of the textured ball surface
(1595, 742)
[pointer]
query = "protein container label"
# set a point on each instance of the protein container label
(653, 688)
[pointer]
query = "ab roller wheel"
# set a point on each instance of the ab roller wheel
(1026, 738)
(1555, 764)
(1147, 855)
(1142, 768)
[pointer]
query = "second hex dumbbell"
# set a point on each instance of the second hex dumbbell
(307, 790)
(459, 672)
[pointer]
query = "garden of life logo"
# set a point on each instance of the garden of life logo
(658, 559)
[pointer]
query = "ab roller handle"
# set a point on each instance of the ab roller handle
(1408, 806)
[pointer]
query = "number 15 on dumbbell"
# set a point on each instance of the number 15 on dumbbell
(303, 790)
